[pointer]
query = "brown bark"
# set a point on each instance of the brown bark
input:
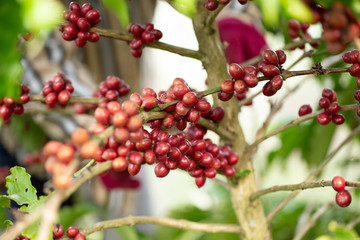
(250, 214)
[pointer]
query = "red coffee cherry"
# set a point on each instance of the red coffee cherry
(324, 118)
(343, 198)
(72, 231)
(58, 231)
(305, 109)
(338, 183)
(271, 57)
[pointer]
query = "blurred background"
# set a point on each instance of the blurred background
(280, 160)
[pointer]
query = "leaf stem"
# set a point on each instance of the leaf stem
(123, 36)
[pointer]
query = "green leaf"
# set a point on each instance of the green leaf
(311, 139)
(127, 233)
(10, 67)
(186, 7)
(4, 201)
(121, 10)
(342, 232)
(326, 3)
(69, 215)
(41, 15)
(19, 187)
(270, 12)
(31, 207)
(32, 231)
(28, 132)
(242, 173)
(8, 222)
(298, 10)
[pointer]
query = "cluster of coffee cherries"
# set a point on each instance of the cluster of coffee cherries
(353, 57)
(331, 106)
(339, 23)
(343, 196)
(112, 88)
(71, 232)
(212, 5)
(80, 19)
(8, 105)
(130, 146)
(59, 231)
(58, 156)
(242, 79)
(57, 90)
(192, 153)
(271, 68)
(189, 152)
(189, 107)
(245, 78)
(299, 30)
(142, 35)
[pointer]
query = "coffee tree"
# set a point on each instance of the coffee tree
(167, 129)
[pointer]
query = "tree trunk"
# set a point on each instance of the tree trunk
(250, 215)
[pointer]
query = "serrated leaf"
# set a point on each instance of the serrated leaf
(19, 187)
(31, 207)
(121, 9)
(4, 201)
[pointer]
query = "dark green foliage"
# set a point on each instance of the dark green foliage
(28, 133)
(10, 66)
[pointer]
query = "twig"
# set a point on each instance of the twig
(310, 223)
(170, 222)
(147, 116)
(313, 174)
(246, 100)
(86, 167)
(315, 70)
(353, 223)
(305, 55)
(296, 122)
(288, 46)
(49, 217)
(212, 15)
(273, 111)
(73, 99)
(159, 45)
(225, 134)
(299, 186)
(221, 183)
